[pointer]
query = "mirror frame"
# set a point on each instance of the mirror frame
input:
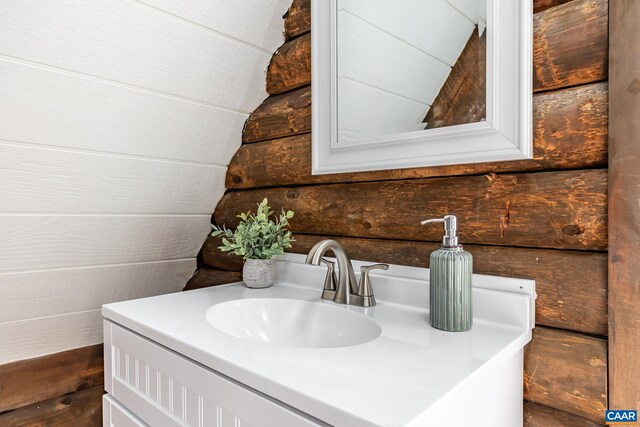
(506, 134)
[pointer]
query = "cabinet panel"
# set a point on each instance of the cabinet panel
(164, 388)
(116, 415)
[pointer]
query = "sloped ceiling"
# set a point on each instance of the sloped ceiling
(117, 121)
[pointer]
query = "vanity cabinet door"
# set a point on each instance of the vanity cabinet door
(116, 415)
(166, 389)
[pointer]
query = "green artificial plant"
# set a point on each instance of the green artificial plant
(257, 236)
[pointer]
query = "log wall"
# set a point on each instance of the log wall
(61, 389)
(624, 207)
(544, 219)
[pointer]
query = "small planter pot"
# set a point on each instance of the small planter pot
(258, 273)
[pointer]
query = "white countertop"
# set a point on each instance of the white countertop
(392, 380)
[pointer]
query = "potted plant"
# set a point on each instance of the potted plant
(257, 239)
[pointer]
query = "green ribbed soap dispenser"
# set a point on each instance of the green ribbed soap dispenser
(451, 272)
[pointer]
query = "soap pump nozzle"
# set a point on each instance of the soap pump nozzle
(450, 239)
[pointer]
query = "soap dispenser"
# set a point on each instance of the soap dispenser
(451, 271)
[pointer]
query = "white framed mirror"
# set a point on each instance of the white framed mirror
(412, 83)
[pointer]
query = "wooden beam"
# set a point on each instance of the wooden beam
(207, 277)
(556, 210)
(212, 256)
(540, 5)
(280, 115)
(570, 47)
(543, 416)
(567, 371)
(298, 19)
(290, 66)
(624, 206)
(570, 44)
(571, 285)
(83, 408)
(30, 381)
(463, 96)
(570, 132)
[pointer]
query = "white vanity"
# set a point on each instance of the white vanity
(281, 356)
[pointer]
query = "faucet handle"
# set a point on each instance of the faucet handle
(330, 279)
(364, 289)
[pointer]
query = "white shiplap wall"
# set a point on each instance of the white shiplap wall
(117, 121)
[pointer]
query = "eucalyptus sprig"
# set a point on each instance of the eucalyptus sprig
(257, 236)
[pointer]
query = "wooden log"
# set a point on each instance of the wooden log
(83, 408)
(214, 258)
(624, 208)
(280, 115)
(207, 277)
(570, 47)
(34, 380)
(463, 96)
(290, 66)
(298, 19)
(571, 285)
(543, 416)
(557, 210)
(570, 44)
(570, 132)
(567, 371)
(540, 5)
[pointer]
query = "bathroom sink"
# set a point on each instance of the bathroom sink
(229, 347)
(292, 323)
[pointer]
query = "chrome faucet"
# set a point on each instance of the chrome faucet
(345, 291)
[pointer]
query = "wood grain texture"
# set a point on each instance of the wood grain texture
(34, 380)
(540, 5)
(624, 208)
(567, 371)
(570, 132)
(207, 277)
(80, 409)
(280, 115)
(462, 97)
(570, 44)
(569, 48)
(290, 66)
(543, 416)
(571, 285)
(558, 210)
(298, 19)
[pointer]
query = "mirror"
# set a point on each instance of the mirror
(401, 72)
(409, 83)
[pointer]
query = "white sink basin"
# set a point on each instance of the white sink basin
(292, 323)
